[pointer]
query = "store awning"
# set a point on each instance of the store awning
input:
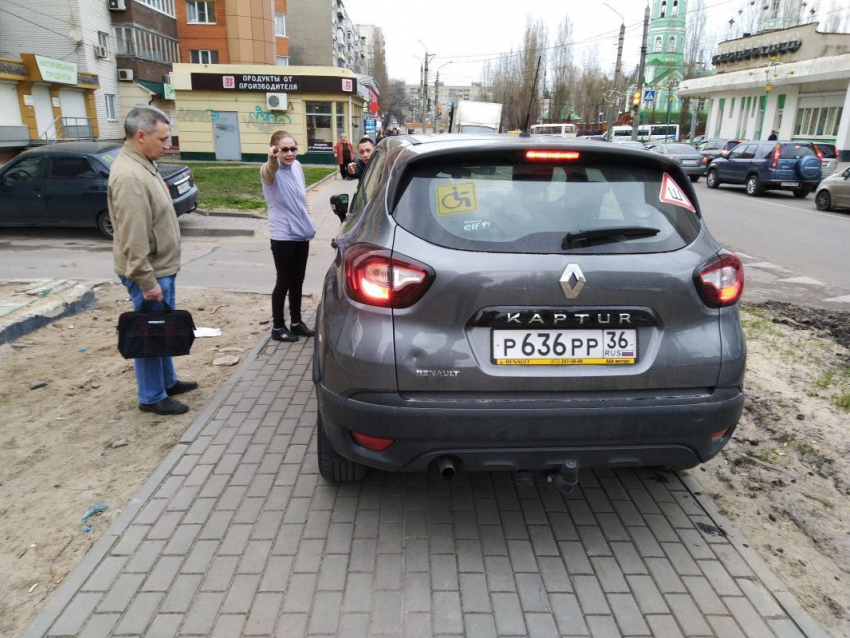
(154, 88)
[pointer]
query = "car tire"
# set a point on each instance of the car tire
(694, 178)
(800, 193)
(711, 179)
(104, 224)
(753, 186)
(332, 466)
(823, 200)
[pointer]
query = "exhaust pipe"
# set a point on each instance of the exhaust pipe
(446, 467)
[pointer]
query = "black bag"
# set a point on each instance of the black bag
(168, 333)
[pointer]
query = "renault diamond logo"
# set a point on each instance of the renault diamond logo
(572, 281)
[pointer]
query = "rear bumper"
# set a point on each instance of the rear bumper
(775, 184)
(531, 432)
(187, 202)
(694, 170)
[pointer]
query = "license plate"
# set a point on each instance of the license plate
(690, 162)
(791, 184)
(182, 188)
(564, 347)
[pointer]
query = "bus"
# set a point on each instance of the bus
(647, 132)
(557, 129)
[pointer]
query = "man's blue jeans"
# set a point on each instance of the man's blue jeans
(153, 374)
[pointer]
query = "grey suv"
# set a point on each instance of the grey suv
(500, 303)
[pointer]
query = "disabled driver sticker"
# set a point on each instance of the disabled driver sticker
(456, 198)
(672, 194)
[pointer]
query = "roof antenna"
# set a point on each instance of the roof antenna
(525, 132)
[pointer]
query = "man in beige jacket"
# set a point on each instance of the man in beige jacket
(146, 246)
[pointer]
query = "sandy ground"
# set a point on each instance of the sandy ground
(56, 457)
(784, 479)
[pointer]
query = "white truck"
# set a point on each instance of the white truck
(476, 117)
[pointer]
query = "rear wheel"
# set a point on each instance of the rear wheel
(332, 466)
(823, 201)
(711, 179)
(801, 192)
(104, 225)
(694, 178)
(753, 186)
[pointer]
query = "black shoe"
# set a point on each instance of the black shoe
(167, 406)
(302, 329)
(180, 387)
(282, 334)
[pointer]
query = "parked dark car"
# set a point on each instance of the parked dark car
(713, 148)
(683, 154)
(64, 184)
(503, 303)
(762, 166)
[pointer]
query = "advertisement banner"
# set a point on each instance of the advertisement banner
(56, 70)
(271, 83)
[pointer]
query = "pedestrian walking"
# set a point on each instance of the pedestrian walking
(365, 148)
(146, 245)
(291, 230)
(772, 136)
(380, 135)
(344, 154)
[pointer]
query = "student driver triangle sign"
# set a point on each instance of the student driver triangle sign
(672, 194)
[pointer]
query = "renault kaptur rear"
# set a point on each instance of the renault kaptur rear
(507, 304)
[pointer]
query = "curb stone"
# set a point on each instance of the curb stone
(774, 585)
(217, 232)
(60, 598)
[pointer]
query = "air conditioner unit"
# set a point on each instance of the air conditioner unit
(276, 101)
(125, 74)
(101, 52)
(116, 5)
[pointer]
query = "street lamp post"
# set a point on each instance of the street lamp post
(672, 84)
(617, 68)
(437, 94)
(424, 90)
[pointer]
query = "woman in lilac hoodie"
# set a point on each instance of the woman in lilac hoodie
(291, 230)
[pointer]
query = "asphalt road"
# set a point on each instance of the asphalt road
(792, 252)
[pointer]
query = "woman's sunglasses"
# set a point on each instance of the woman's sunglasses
(287, 149)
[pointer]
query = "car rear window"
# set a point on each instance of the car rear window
(530, 208)
(828, 150)
(795, 151)
(680, 149)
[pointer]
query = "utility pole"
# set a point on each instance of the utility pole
(636, 109)
(616, 79)
(437, 95)
(694, 117)
(422, 94)
(424, 86)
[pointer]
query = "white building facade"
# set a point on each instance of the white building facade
(794, 81)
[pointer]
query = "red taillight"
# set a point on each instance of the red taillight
(716, 437)
(724, 152)
(548, 156)
(819, 153)
(705, 160)
(376, 443)
(376, 277)
(720, 280)
(191, 177)
(777, 152)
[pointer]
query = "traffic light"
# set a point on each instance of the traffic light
(636, 99)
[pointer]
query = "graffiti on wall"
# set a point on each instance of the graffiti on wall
(267, 119)
(207, 115)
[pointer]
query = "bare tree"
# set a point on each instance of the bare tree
(835, 17)
(563, 71)
(394, 101)
(695, 37)
(378, 66)
(590, 90)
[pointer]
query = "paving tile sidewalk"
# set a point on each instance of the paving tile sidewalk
(236, 534)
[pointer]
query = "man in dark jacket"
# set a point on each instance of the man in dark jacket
(772, 136)
(365, 148)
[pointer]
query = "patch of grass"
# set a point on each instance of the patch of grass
(842, 400)
(239, 188)
(825, 380)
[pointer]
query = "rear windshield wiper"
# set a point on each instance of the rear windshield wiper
(584, 237)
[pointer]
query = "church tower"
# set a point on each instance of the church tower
(665, 53)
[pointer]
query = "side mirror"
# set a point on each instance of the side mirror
(104, 174)
(339, 205)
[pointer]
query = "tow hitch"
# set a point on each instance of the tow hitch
(565, 478)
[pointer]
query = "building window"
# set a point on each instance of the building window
(203, 56)
(103, 40)
(163, 6)
(663, 9)
(671, 44)
(340, 119)
(319, 131)
(138, 43)
(657, 47)
(280, 25)
(675, 8)
(818, 121)
(110, 107)
(200, 12)
(281, 60)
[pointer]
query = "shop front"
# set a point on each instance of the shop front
(229, 112)
(41, 100)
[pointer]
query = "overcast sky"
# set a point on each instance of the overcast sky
(481, 29)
